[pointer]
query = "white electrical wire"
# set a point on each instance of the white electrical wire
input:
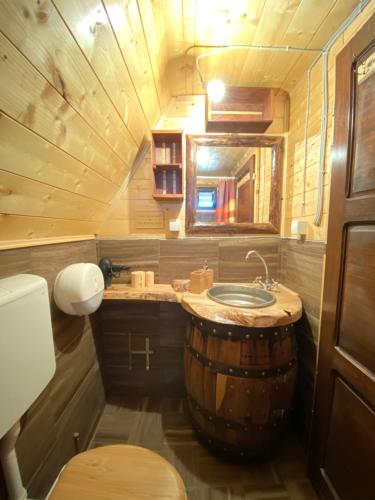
(220, 48)
(307, 116)
(324, 126)
(263, 165)
(323, 143)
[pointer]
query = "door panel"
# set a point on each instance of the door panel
(350, 445)
(342, 453)
(356, 333)
(363, 175)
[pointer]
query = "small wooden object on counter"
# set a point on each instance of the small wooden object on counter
(198, 281)
(167, 165)
(138, 279)
(150, 278)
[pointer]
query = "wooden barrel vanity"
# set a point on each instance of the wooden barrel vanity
(240, 367)
(240, 379)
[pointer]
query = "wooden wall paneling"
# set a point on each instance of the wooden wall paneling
(241, 26)
(23, 196)
(15, 262)
(27, 154)
(338, 13)
(295, 152)
(137, 198)
(270, 28)
(232, 264)
(127, 26)
(185, 113)
(139, 254)
(81, 417)
(88, 22)
(16, 228)
(154, 30)
(179, 257)
(28, 98)
(301, 269)
(46, 427)
(68, 70)
(311, 17)
(299, 23)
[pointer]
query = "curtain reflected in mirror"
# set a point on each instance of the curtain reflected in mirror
(233, 184)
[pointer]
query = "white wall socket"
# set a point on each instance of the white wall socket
(174, 225)
(299, 227)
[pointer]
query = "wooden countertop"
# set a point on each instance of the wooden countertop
(156, 293)
(287, 308)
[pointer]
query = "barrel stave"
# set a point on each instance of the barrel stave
(240, 383)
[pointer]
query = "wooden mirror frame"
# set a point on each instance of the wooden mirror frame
(271, 227)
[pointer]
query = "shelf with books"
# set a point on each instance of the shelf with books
(167, 164)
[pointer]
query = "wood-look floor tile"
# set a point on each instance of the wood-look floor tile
(300, 489)
(163, 425)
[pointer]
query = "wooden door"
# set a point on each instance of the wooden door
(342, 457)
(245, 193)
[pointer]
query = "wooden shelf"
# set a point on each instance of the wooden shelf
(168, 165)
(242, 110)
(168, 197)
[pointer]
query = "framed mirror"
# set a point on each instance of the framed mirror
(234, 184)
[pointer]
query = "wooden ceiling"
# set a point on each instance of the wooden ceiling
(218, 161)
(302, 23)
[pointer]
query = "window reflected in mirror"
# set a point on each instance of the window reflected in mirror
(233, 184)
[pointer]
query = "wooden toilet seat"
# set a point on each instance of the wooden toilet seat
(118, 472)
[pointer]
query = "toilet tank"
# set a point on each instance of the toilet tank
(27, 357)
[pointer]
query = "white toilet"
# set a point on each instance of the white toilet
(27, 364)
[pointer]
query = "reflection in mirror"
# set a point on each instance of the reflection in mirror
(233, 184)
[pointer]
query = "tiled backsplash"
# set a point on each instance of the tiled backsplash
(175, 259)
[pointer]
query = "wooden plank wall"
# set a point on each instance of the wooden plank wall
(81, 86)
(295, 151)
(175, 259)
(183, 113)
(73, 401)
(301, 269)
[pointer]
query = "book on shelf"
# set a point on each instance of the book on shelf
(162, 154)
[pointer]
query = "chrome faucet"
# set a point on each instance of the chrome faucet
(267, 284)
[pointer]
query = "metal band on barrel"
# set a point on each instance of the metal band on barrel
(239, 371)
(235, 332)
(230, 424)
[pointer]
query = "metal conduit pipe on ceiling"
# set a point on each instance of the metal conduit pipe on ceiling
(324, 53)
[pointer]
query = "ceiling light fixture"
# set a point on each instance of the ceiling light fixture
(215, 90)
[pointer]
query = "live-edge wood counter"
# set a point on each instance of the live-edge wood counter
(155, 293)
(287, 308)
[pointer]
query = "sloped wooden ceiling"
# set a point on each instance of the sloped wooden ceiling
(301, 23)
(80, 87)
(82, 82)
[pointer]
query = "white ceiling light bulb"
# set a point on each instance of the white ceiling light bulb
(215, 90)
